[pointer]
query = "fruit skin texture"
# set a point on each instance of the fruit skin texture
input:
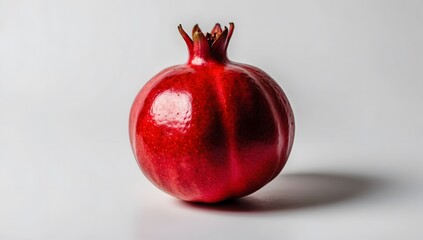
(211, 129)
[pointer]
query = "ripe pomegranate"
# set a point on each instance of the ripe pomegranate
(211, 129)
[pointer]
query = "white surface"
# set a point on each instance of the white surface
(69, 70)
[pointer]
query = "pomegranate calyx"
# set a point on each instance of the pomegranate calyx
(210, 47)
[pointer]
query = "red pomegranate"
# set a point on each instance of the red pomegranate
(211, 129)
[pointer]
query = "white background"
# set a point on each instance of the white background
(69, 70)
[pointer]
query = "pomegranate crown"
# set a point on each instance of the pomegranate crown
(210, 47)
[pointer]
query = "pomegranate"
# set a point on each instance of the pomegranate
(211, 129)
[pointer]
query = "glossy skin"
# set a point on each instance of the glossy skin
(211, 131)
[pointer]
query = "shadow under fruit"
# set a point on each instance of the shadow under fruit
(211, 129)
